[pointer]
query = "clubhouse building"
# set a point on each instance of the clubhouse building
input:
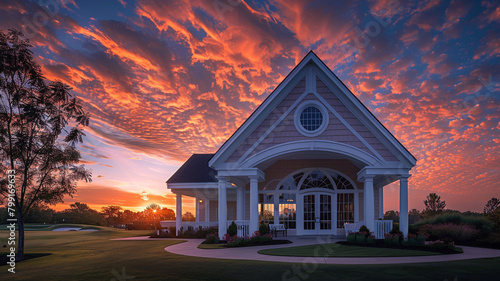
(311, 158)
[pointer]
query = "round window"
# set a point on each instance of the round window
(311, 118)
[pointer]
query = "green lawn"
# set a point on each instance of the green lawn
(338, 250)
(50, 227)
(92, 256)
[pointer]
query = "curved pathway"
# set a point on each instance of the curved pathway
(190, 248)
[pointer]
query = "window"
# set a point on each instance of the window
(292, 182)
(287, 208)
(266, 208)
(311, 118)
(340, 181)
(345, 209)
(316, 179)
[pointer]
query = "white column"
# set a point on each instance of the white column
(276, 204)
(356, 207)
(403, 205)
(222, 207)
(178, 213)
(240, 203)
(207, 211)
(369, 203)
(381, 202)
(254, 205)
(197, 213)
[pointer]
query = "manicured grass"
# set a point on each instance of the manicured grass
(92, 256)
(50, 227)
(338, 250)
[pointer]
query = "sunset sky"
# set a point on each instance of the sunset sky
(166, 79)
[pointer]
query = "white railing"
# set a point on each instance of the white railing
(382, 227)
(352, 227)
(243, 227)
(186, 224)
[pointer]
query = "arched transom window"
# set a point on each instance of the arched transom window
(317, 178)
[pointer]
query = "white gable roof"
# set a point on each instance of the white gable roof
(405, 158)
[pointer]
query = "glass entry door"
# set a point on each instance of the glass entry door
(318, 213)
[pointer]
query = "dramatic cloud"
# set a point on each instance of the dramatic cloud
(165, 79)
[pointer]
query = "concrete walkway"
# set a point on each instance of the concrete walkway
(190, 248)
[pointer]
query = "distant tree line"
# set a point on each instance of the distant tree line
(435, 206)
(81, 213)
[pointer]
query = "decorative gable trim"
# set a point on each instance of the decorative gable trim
(349, 100)
(364, 114)
(338, 116)
(260, 113)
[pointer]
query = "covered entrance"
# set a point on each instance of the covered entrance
(325, 200)
(319, 213)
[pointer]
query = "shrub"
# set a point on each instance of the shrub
(232, 229)
(480, 223)
(421, 239)
(414, 240)
(413, 229)
(263, 229)
(395, 230)
(370, 239)
(171, 230)
(388, 238)
(188, 233)
(396, 239)
(444, 247)
(492, 241)
(364, 229)
(212, 238)
(351, 238)
(361, 237)
(203, 232)
(455, 232)
(228, 238)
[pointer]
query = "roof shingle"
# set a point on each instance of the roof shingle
(195, 169)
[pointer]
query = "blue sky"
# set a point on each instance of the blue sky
(165, 79)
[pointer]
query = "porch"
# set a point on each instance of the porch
(381, 227)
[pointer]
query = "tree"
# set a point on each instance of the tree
(492, 205)
(112, 214)
(37, 142)
(153, 206)
(188, 216)
(413, 216)
(41, 214)
(129, 216)
(392, 215)
(167, 214)
(81, 213)
(433, 205)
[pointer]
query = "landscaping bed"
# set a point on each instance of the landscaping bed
(225, 245)
(231, 241)
(439, 247)
(343, 250)
(395, 240)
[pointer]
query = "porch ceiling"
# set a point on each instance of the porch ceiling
(300, 155)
